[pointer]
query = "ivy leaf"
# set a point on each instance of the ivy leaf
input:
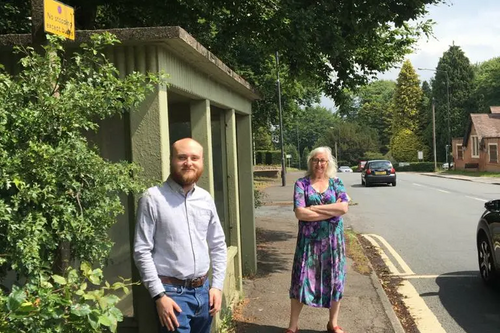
(80, 310)
(59, 279)
(16, 298)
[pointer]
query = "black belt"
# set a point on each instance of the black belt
(189, 283)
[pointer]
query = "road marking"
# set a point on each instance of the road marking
(424, 318)
(478, 199)
(419, 185)
(384, 257)
(439, 276)
(395, 254)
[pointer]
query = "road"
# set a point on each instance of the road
(431, 223)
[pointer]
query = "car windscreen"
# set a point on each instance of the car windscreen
(380, 165)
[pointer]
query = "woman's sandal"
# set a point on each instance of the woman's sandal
(336, 329)
(290, 331)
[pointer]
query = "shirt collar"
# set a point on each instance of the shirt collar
(178, 188)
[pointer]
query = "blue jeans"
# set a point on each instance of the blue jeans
(195, 305)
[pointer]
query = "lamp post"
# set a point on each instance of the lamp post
(298, 142)
(448, 103)
(283, 163)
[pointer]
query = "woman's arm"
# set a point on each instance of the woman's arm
(334, 209)
(306, 214)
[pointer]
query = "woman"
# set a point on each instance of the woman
(318, 271)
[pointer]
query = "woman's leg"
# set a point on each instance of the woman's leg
(295, 308)
(334, 314)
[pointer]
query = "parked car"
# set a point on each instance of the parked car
(361, 165)
(345, 168)
(488, 242)
(378, 172)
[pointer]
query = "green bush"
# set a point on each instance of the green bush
(58, 196)
(416, 166)
(268, 157)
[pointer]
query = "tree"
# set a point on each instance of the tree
(353, 141)
(58, 196)
(407, 100)
(425, 130)
(375, 109)
(453, 84)
(405, 145)
(487, 84)
(309, 126)
(350, 39)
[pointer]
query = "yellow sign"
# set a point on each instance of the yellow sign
(59, 19)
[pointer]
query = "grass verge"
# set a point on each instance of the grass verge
(356, 253)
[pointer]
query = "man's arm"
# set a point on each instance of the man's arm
(144, 244)
(218, 256)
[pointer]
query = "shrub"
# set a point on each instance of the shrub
(58, 196)
(417, 166)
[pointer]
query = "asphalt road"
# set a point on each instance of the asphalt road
(431, 223)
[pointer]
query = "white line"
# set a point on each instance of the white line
(419, 185)
(384, 257)
(478, 199)
(443, 191)
(396, 255)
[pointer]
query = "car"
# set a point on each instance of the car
(378, 172)
(447, 166)
(488, 243)
(361, 165)
(345, 168)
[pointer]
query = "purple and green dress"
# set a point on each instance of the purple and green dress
(318, 272)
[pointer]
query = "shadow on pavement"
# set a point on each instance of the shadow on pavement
(270, 258)
(474, 307)
(255, 328)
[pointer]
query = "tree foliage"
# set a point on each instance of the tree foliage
(453, 81)
(58, 196)
(487, 84)
(353, 141)
(352, 39)
(405, 146)
(407, 100)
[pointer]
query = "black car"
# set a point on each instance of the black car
(488, 242)
(378, 172)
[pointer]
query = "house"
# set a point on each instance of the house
(478, 149)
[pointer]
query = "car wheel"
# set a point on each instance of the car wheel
(485, 260)
(394, 183)
(367, 184)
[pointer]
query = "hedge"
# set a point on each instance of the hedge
(417, 166)
(268, 157)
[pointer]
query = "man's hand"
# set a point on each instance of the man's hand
(215, 300)
(166, 308)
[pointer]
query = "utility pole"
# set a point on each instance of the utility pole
(434, 133)
(298, 142)
(283, 163)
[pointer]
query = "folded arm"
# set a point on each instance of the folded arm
(338, 208)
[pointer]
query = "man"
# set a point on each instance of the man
(177, 234)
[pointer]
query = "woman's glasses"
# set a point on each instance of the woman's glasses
(318, 161)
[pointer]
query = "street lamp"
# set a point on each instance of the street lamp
(283, 165)
(448, 102)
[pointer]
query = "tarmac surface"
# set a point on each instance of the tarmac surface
(365, 306)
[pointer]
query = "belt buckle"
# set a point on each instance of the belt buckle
(195, 282)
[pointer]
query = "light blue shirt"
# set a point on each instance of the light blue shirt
(177, 235)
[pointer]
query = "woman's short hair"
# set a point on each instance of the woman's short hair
(331, 169)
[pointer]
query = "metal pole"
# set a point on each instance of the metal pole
(434, 133)
(448, 98)
(283, 165)
(298, 141)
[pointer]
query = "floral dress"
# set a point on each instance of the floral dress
(318, 272)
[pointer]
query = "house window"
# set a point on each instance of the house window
(460, 153)
(493, 152)
(475, 146)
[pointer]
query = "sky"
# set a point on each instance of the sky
(474, 25)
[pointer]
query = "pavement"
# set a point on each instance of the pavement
(265, 309)
(364, 307)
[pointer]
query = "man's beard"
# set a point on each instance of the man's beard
(185, 179)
